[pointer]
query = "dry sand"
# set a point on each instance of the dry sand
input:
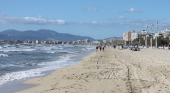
(111, 71)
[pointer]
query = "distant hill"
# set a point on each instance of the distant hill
(42, 34)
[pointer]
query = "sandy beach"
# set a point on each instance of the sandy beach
(110, 71)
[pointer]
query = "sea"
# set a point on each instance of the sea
(23, 61)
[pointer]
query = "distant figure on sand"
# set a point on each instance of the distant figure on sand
(122, 46)
(100, 48)
(114, 46)
(103, 48)
(96, 48)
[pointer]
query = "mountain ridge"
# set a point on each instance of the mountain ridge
(41, 34)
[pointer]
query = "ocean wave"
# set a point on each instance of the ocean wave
(33, 62)
(16, 50)
(47, 66)
(3, 55)
(68, 46)
(7, 65)
(49, 48)
(18, 75)
(57, 48)
(48, 52)
(51, 52)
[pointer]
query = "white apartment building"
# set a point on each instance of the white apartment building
(125, 36)
(165, 32)
(130, 35)
(134, 35)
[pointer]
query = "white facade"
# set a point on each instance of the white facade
(96, 42)
(130, 36)
(37, 42)
(133, 35)
(166, 32)
(125, 36)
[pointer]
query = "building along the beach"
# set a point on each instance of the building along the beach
(165, 33)
(129, 36)
(96, 42)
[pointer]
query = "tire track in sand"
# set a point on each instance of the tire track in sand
(133, 81)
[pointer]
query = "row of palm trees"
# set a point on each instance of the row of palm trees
(161, 41)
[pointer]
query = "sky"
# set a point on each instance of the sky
(98, 19)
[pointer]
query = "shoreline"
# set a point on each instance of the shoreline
(111, 71)
(18, 85)
(33, 84)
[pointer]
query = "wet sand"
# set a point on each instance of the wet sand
(110, 71)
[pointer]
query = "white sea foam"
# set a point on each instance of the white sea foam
(90, 47)
(48, 48)
(64, 59)
(49, 52)
(46, 66)
(3, 55)
(10, 65)
(18, 75)
(68, 45)
(56, 47)
(16, 50)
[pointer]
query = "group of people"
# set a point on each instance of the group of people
(100, 48)
(134, 48)
(119, 47)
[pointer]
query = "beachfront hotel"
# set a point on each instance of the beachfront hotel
(148, 37)
(129, 36)
(165, 33)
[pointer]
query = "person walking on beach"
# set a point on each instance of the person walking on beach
(100, 48)
(103, 48)
(114, 46)
(122, 46)
(96, 48)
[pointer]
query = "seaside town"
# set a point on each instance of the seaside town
(111, 64)
(86, 41)
(143, 39)
(84, 46)
(156, 39)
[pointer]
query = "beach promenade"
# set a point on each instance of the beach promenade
(110, 71)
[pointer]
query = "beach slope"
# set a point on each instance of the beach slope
(110, 71)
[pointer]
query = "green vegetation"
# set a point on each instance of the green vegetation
(160, 41)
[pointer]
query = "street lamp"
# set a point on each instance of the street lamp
(139, 38)
(146, 36)
(146, 28)
(155, 34)
(151, 35)
(152, 27)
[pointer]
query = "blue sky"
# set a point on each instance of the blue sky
(95, 18)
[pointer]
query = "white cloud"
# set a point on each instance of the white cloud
(30, 20)
(60, 22)
(135, 24)
(90, 9)
(118, 18)
(94, 22)
(133, 10)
